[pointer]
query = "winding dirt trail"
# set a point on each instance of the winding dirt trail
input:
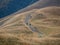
(30, 26)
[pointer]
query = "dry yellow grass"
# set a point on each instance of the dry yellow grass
(46, 20)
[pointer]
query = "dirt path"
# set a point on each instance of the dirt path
(30, 26)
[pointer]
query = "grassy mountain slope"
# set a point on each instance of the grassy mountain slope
(46, 20)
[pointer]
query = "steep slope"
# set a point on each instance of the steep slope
(48, 17)
(46, 20)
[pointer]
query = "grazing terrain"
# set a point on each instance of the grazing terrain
(42, 28)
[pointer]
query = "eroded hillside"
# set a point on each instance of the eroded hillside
(46, 20)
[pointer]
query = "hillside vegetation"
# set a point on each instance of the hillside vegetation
(13, 30)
